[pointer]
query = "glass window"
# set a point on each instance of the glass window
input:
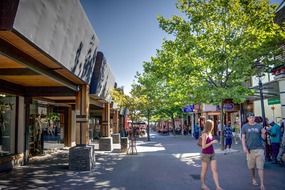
(7, 124)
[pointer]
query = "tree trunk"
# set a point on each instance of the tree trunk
(122, 128)
(182, 124)
(222, 127)
(148, 118)
(133, 136)
(173, 124)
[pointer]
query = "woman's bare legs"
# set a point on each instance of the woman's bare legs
(203, 175)
(215, 174)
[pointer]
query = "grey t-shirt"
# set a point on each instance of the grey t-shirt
(253, 137)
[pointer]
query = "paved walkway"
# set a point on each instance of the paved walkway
(164, 163)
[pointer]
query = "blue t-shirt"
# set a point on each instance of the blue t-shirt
(275, 132)
(228, 132)
(253, 137)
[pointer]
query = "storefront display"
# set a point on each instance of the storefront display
(7, 124)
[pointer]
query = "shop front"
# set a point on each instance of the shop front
(46, 65)
(231, 113)
(7, 124)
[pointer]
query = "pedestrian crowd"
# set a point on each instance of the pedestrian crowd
(258, 143)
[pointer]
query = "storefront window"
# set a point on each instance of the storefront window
(94, 128)
(7, 124)
(46, 127)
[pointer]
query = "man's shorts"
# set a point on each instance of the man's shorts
(255, 159)
(207, 157)
(229, 141)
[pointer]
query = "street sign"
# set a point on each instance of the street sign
(188, 108)
(272, 101)
(227, 107)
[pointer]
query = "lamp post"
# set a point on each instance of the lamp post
(260, 74)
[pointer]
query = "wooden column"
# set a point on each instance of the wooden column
(82, 111)
(69, 127)
(105, 127)
(116, 122)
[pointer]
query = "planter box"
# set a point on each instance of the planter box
(8, 162)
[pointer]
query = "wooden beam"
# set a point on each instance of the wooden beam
(18, 56)
(65, 101)
(96, 102)
(49, 91)
(11, 88)
(17, 72)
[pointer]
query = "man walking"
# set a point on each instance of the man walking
(228, 133)
(280, 157)
(275, 137)
(252, 142)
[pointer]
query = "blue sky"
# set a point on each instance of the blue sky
(129, 33)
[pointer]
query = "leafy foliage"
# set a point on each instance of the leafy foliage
(216, 44)
(125, 101)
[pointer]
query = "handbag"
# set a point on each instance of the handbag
(199, 142)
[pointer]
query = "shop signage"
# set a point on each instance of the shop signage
(272, 101)
(209, 108)
(188, 108)
(227, 107)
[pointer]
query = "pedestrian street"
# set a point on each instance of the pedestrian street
(165, 162)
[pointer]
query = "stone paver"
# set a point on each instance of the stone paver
(164, 163)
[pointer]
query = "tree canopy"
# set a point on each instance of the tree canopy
(211, 57)
(216, 44)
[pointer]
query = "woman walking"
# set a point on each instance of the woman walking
(208, 155)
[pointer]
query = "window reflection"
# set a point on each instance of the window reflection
(7, 124)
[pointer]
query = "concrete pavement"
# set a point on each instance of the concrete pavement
(164, 163)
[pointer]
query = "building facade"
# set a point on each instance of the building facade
(48, 54)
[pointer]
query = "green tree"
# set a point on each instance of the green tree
(147, 103)
(132, 103)
(216, 43)
(164, 97)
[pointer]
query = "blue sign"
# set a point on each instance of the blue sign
(227, 107)
(188, 108)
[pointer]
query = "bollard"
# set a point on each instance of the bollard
(124, 144)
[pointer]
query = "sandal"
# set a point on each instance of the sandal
(204, 187)
(254, 183)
